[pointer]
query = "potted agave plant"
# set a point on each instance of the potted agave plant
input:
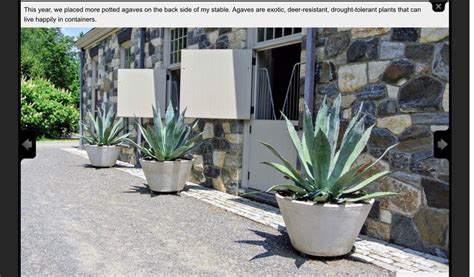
(104, 138)
(164, 160)
(325, 207)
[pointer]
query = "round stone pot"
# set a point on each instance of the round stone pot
(326, 230)
(103, 156)
(167, 176)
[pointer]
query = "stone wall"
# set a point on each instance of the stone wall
(219, 157)
(108, 58)
(400, 76)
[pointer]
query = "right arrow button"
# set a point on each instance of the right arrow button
(442, 144)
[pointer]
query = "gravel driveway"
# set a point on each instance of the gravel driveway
(84, 221)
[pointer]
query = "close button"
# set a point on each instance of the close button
(438, 5)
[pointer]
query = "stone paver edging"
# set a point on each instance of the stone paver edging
(388, 256)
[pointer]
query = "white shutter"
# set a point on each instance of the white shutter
(140, 89)
(216, 83)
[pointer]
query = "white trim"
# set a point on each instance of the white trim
(174, 66)
(252, 44)
(166, 48)
(251, 37)
(93, 36)
(244, 182)
(123, 46)
(278, 42)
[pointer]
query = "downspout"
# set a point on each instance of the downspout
(142, 48)
(81, 85)
(309, 69)
(141, 64)
(308, 80)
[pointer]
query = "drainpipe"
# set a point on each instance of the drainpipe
(142, 48)
(81, 85)
(309, 68)
(141, 64)
(308, 79)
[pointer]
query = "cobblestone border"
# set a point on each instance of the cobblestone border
(388, 256)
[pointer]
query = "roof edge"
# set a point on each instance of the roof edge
(93, 36)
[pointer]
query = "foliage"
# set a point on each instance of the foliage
(48, 54)
(106, 130)
(329, 174)
(170, 140)
(50, 111)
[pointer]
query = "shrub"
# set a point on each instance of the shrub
(50, 111)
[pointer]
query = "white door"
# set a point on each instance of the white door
(276, 90)
(275, 133)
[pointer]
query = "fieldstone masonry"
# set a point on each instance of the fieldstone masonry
(218, 159)
(400, 77)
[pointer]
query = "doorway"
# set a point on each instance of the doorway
(174, 82)
(277, 85)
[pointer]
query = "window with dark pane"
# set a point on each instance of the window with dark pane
(266, 34)
(260, 34)
(178, 41)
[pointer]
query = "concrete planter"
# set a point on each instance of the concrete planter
(103, 156)
(168, 176)
(326, 230)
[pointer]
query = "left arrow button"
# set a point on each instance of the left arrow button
(27, 145)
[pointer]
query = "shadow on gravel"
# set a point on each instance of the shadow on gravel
(93, 167)
(146, 190)
(195, 187)
(260, 204)
(115, 166)
(280, 245)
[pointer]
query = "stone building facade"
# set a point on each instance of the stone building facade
(399, 75)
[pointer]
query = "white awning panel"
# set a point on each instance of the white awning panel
(216, 83)
(140, 89)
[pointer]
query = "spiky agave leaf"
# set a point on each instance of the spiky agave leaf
(329, 174)
(298, 192)
(300, 149)
(288, 170)
(106, 129)
(167, 139)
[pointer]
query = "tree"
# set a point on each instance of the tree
(49, 70)
(48, 54)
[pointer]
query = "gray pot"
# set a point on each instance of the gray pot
(167, 176)
(326, 230)
(103, 156)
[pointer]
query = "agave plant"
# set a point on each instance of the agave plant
(106, 130)
(170, 140)
(328, 173)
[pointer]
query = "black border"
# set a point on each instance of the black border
(459, 119)
(9, 112)
(459, 122)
